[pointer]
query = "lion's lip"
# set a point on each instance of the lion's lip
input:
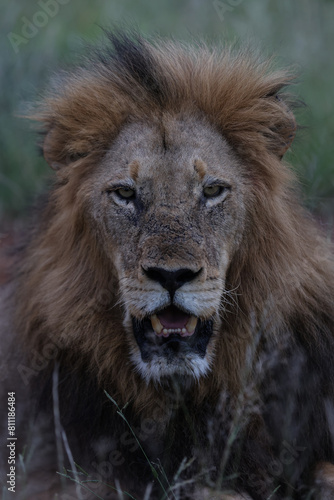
(173, 321)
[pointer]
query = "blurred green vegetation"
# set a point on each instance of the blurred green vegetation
(300, 34)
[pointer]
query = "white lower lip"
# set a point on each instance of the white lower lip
(184, 332)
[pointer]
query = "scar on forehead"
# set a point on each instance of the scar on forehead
(200, 168)
(134, 169)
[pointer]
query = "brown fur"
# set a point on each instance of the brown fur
(279, 277)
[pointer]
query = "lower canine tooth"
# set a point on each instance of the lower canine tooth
(156, 325)
(191, 325)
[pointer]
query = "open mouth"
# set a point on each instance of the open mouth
(173, 320)
(171, 334)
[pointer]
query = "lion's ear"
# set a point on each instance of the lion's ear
(59, 151)
(283, 127)
(52, 149)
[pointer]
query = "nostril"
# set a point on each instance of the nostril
(185, 275)
(156, 274)
(171, 280)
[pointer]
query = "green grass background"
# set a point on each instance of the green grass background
(300, 34)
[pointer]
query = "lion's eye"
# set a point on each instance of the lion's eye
(125, 193)
(212, 191)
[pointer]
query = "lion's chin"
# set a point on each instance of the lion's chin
(173, 355)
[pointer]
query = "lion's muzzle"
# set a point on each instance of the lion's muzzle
(172, 319)
(172, 340)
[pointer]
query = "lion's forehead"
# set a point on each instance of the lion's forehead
(165, 152)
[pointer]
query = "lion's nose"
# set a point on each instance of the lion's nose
(171, 280)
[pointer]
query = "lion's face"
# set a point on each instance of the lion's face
(169, 201)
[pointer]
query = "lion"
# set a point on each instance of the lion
(169, 328)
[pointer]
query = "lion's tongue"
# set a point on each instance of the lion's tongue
(172, 320)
